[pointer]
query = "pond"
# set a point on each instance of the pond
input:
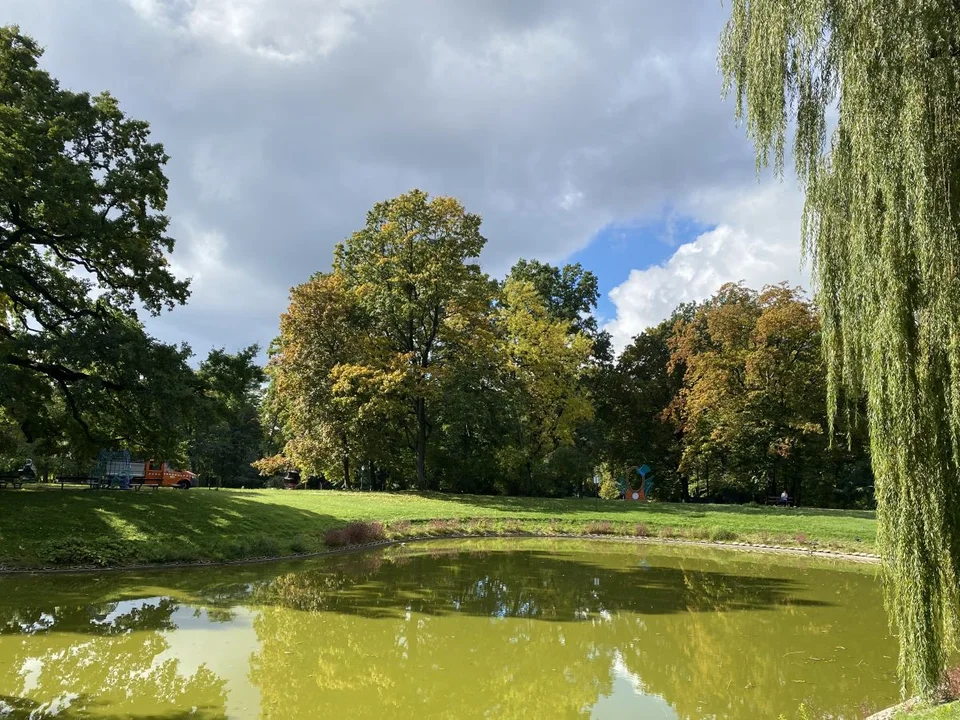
(465, 629)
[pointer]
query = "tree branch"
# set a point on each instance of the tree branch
(57, 372)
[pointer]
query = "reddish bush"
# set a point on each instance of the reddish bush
(642, 531)
(801, 539)
(336, 538)
(356, 533)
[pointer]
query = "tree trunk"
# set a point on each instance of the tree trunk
(684, 488)
(421, 410)
(346, 471)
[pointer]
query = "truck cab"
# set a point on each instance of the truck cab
(161, 473)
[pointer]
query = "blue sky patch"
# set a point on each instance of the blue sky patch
(619, 248)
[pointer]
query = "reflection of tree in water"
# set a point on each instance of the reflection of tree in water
(104, 660)
(505, 634)
(530, 632)
(761, 664)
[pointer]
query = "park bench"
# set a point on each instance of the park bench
(76, 480)
(776, 500)
(137, 483)
(11, 478)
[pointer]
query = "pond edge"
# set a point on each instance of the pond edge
(867, 558)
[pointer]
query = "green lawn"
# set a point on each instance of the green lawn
(49, 526)
(950, 711)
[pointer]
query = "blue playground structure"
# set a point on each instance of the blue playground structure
(113, 469)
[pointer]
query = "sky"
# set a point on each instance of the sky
(590, 132)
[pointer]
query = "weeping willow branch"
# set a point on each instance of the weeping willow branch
(882, 228)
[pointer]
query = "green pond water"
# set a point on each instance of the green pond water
(467, 629)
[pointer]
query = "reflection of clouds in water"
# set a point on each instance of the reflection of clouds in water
(30, 672)
(224, 649)
(126, 607)
(627, 699)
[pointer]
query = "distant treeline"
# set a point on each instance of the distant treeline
(407, 366)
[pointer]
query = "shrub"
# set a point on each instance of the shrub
(336, 538)
(88, 551)
(401, 528)
(600, 528)
(365, 532)
(262, 546)
(478, 527)
(514, 527)
(666, 532)
(642, 530)
(442, 527)
(722, 534)
(299, 544)
(356, 533)
(801, 539)
(609, 489)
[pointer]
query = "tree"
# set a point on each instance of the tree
(881, 223)
(570, 293)
(332, 382)
(82, 247)
(412, 267)
(751, 361)
(633, 399)
(543, 363)
(226, 435)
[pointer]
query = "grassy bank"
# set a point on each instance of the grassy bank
(53, 527)
(950, 711)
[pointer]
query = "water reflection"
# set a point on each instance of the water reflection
(104, 660)
(488, 629)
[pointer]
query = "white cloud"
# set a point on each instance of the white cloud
(286, 120)
(217, 282)
(290, 31)
(756, 239)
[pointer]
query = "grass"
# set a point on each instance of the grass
(950, 711)
(45, 526)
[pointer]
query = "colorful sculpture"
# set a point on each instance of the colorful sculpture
(640, 493)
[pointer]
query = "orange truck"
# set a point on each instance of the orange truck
(161, 474)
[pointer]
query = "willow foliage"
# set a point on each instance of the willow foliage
(881, 226)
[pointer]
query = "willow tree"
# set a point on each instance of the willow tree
(870, 92)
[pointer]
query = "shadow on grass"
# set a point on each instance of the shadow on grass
(76, 527)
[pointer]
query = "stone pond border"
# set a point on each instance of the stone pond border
(867, 558)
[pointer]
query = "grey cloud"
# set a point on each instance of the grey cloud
(550, 118)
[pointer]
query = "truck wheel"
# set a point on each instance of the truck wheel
(184, 484)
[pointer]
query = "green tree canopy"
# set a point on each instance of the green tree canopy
(882, 225)
(334, 385)
(83, 246)
(570, 294)
(226, 435)
(414, 266)
(542, 363)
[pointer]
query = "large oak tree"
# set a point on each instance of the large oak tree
(83, 247)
